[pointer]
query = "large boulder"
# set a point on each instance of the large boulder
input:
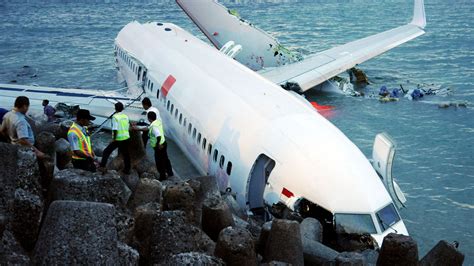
(26, 217)
(63, 153)
(172, 235)
(8, 169)
(127, 255)
(58, 130)
(27, 171)
(350, 259)
(216, 216)
(131, 179)
(146, 191)
(125, 224)
(194, 258)
(78, 233)
(45, 143)
(146, 166)
(80, 185)
(398, 250)
(315, 253)
(284, 242)
(179, 196)
(236, 247)
(311, 229)
(443, 253)
(3, 222)
(145, 216)
(46, 169)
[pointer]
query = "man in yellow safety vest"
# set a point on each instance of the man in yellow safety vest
(83, 155)
(158, 143)
(121, 139)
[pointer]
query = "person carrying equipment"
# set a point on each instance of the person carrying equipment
(80, 141)
(158, 143)
(121, 139)
(147, 105)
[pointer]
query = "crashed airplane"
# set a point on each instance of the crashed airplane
(232, 120)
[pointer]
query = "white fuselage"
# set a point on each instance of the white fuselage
(224, 116)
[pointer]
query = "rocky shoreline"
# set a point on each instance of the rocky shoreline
(53, 214)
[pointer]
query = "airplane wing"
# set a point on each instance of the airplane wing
(314, 69)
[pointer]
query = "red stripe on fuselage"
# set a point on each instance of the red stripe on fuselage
(287, 193)
(165, 89)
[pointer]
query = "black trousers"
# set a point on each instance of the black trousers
(122, 148)
(87, 164)
(145, 138)
(162, 161)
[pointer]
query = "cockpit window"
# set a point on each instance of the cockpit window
(387, 217)
(354, 223)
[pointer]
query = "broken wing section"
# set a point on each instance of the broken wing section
(221, 26)
(322, 66)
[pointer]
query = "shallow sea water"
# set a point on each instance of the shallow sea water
(71, 45)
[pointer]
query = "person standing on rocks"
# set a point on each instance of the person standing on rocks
(146, 103)
(121, 139)
(83, 155)
(48, 110)
(158, 143)
(17, 129)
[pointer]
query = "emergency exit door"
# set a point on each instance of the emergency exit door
(259, 175)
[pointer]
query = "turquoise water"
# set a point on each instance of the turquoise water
(71, 45)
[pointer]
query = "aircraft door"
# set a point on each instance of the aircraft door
(259, 175)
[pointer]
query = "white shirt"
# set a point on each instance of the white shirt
(155, 110)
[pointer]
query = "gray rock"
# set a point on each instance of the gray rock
(145, 216)
(45, 143)
(208, 187)
(275, 263)
(284, 243)
(78, 233)
(56, 129)
(315, 253)
(125, 224)
(194, 258)
(236, 247)
(63, 153)
(46, 170)
(127, 255)
(311, 229)
(79, 185)
(146, 166)
(27, 171)
(26, 217)
(350, 259)
(216, 216)
(171, 235)
(371, 256)
(3, 222)
(11, 252)
(179, 196)
(136, 149)
(8, 169)
(147, 190)
(263, 238)
(149, 175)
(131, 179)
(398, 250)
(234, 206)
(443, 253)
(355, 242)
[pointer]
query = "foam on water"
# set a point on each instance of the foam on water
(70, 45)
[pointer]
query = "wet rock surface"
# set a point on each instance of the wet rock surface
(173, 235)
(284, 243)
(79, 185)
(236, 247)
(27, 210)
(443, 253)
(78, 233)
(398, 250)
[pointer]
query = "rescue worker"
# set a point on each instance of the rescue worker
(121, 139)
(83, 155)
(146, 103)
(158, 143)
(48, 110)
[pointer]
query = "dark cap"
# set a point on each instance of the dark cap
(84, 114)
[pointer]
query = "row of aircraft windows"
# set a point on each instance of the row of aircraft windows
(127, 59)
(199, 138)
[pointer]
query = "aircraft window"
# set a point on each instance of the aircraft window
(199, 138)
(159, 24)
(216, 152)
(354, 223)
(221, 161)
(189, 128)
(157, 93)
(209, 149)
(387, 217)
(172, 108)
(167, 29)
(180, 118)
(168, 105)
(204, 142)
(229, 168)
(194, 133)
(185, 122)
(176, 113)
(152, 86)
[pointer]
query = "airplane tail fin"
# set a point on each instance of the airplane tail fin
(419, 16)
